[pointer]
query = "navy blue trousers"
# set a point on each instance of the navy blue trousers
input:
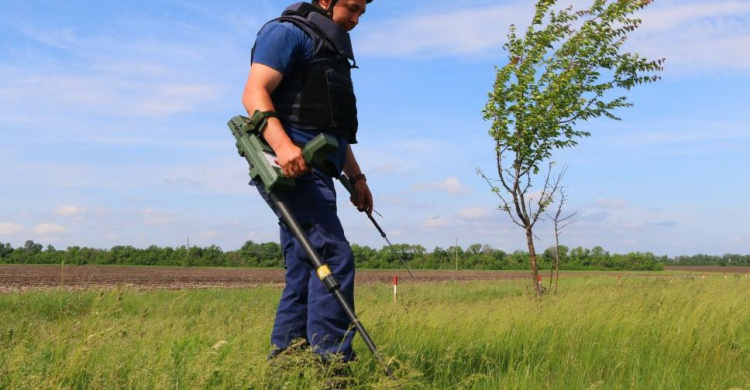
(307, 310)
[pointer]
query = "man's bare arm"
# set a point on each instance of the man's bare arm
(261, 83)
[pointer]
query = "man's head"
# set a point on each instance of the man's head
(345, 13)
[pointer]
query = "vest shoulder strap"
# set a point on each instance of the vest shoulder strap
(316, 24)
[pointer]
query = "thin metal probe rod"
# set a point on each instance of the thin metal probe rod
(382, 233)
(353, 193)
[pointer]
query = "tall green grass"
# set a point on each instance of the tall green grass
(646, 333)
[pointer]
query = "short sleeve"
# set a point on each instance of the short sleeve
(282, 46)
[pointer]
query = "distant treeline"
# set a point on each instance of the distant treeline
(251, 254)
(475, 256)
(725, 260)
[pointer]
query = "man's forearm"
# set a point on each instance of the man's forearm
(351, 167)
(363, 200)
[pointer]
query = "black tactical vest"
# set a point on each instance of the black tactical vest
(320, 96)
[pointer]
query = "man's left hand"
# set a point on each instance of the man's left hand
(364, 197)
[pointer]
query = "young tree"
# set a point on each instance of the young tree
(560, 73)
(560, 222)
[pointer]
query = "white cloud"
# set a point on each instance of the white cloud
(106, 94)
(435, 221)
(667, 132)
(172, 98)
(593, 217)
(7, 228)
(665, 16)
(70, 211)
(454, 32)
(391, 167)
(692, 36)
(210, 234)
(475, 214)
(534, 196)
(611, 203)
(182, 182)
(104, 73)
(695, 36)
(63, 90)
(50, 228)
(154, 217)
(101, 211)
(450, 185)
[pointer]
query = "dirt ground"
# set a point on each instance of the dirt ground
(700, 269)
(26, 277)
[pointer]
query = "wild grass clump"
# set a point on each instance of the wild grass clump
(595, 333)
(643, 333)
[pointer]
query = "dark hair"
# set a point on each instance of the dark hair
(316, 1)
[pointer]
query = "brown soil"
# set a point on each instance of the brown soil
(709, 268)
(25, 277)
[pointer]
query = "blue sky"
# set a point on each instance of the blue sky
(113, 128)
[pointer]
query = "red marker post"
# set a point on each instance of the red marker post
(395, 288)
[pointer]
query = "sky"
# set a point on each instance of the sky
(113, 128)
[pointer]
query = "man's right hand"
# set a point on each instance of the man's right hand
(292, 162)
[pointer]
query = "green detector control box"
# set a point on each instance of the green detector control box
(263, 165)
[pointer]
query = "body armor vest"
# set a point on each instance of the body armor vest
(320, 96)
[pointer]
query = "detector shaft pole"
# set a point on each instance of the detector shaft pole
(325, 276)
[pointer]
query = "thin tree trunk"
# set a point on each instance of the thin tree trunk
(556, 264)
(532, 259)
(557, 259)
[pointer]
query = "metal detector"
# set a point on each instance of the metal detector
(265, 170)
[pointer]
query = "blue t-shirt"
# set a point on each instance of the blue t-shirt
(286, 48)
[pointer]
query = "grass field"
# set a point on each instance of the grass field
(645, 333)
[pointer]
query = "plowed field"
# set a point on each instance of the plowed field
(25, 277)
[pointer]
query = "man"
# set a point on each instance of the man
(300, 70)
